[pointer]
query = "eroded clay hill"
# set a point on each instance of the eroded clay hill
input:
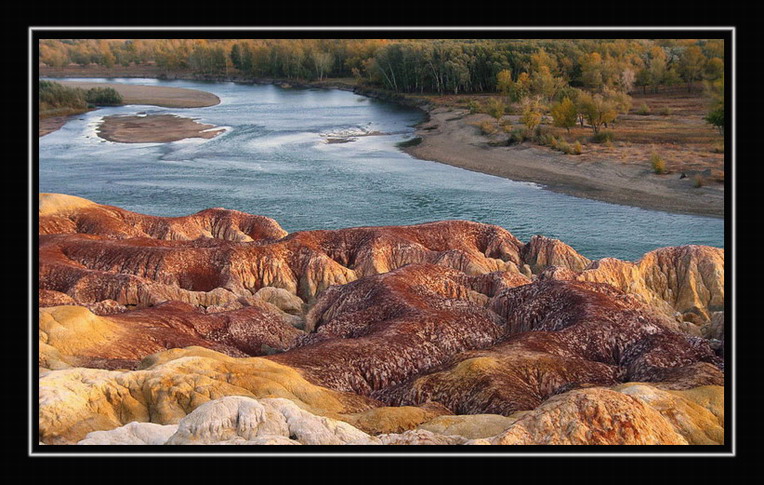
(450, 332)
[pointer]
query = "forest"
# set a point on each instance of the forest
(591, 77)
(418, 65)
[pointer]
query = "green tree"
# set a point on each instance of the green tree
(714, 69)
(644, 78)
(322, 63)
(715, 116)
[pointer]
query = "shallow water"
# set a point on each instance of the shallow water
(274, 160)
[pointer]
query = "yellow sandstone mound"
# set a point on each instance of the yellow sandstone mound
(171, 384)
(52, 204)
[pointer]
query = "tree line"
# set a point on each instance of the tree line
(574, 80)
(453, 66)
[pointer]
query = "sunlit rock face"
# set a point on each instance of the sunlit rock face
(65, 214)
(122, 256)
(542, 252)
(74, 336)
(688, 280)
(219, 328)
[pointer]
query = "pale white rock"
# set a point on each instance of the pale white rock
(134, 433)
(243, 420)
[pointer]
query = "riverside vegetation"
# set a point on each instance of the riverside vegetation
(663, 95)
(56, 99)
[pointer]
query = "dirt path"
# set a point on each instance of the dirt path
(448, 137)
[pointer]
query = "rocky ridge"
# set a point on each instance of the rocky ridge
(429, 334)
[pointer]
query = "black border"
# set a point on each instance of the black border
(296, 32)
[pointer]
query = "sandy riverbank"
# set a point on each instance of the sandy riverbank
(450, 137)
(153, 129)
(51, 124)
(162, 96)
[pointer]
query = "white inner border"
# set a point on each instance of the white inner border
(412, 453)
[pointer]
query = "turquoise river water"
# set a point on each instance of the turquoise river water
(274, 160)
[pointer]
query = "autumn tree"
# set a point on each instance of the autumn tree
(564, 114)
(691, 65)
(597, 110)
(496, 108)
(504, 83)
(591, 71)
(522, 88)
(532, 113)
(544, 84)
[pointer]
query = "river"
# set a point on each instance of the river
(275, 160)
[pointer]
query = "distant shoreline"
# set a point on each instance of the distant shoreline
(448, 136)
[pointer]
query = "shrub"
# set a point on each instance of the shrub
(496, 108)
(546, 140)
(506, 126)
(55, 97)
(577, 148)
(474, 107)
(564, 147)
(665, 111)
(103, 96)
(643, 110)
(603, 137)
(658, 164)
(488, 128)
(698, 181)
(716, 118)
(517, 136)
